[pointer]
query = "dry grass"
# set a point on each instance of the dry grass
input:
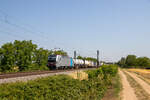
(79, 75)
(139, 91)
(142, 72)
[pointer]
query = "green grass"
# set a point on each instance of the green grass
(117, 85)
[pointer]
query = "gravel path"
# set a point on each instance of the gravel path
(144, 85)
(32, 77)
(127, 92)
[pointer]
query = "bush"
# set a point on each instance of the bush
(104, 70)
(61, 87)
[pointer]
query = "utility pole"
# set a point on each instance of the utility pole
(75, 55)
(97, 58)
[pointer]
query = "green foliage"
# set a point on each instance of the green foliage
(122, 62)
(91, 59)
(41, 56)
(87, 58)
(60, 52)
(105, 70)
(132, 61)
(61, 87)
(80, 57)
(22, 56)
(7, 57)
(143, 62)
(24, 51)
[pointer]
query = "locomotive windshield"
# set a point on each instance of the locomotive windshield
(52, 58)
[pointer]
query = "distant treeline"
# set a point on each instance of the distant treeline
(131, 61)
(87, 58)
(24, 55)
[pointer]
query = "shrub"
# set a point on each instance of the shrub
(61, 87)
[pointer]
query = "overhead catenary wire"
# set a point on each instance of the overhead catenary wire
(27, 30)
(22, 26)
(13, 35)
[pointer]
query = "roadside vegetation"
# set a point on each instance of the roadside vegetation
(63, 87)
(113, 91)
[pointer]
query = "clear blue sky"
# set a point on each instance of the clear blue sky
(115, 27)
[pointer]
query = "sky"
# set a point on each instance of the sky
(114, 27)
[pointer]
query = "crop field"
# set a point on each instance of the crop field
(145, 73)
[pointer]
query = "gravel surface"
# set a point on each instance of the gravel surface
(32, 77)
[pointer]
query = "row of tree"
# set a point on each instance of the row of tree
(133, 61)
(87, 58)
(24, 55)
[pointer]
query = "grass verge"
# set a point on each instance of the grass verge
(113, 91)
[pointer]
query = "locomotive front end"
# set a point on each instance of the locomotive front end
(52, 61)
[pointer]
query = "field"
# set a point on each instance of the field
(145, 73)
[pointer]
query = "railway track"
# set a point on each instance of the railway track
(22, 74)
(26, 76)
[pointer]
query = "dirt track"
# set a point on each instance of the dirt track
(127, 92)
(144, 85)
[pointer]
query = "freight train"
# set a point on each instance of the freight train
(64, 62)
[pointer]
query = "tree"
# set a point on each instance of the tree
(80, 57)
(24, 53)
(143, 62)
(122, 62)
(41, 57)
(131, 60)
(60, 52)
(7, 57)
(87, 58)
(1, 55)
(91, 59)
